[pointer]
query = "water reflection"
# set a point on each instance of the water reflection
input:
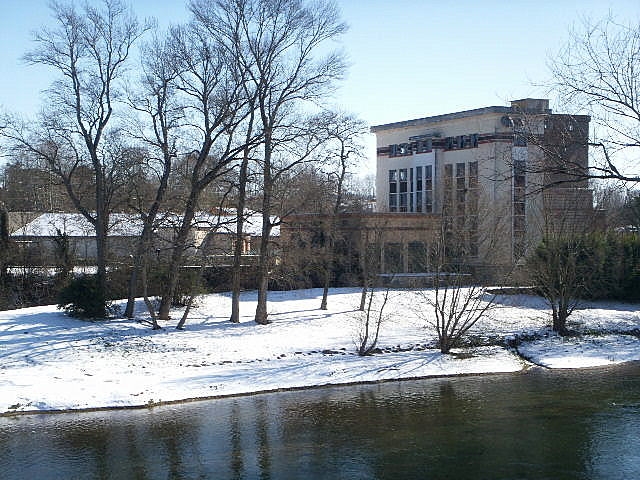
(581, 425)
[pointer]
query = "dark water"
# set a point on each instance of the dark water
(536, 425)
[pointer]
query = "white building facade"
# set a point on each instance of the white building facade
(481, 169)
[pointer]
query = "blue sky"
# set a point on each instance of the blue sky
(409, 58)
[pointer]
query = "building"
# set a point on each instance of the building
(496, 176)
(485, 184)
(37, 242)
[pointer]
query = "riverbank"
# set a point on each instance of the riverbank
(53, 362)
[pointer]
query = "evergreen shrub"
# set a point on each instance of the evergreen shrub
(81, 298)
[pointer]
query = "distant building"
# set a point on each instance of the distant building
(488, 181)
(37, 240)
(499, 175)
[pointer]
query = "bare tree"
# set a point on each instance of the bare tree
(216, 110)
(369, 264)
(457, 300)
(596, 72)
(225, 22)
(4, 245)
(158, 130)
(90, 49)
(344, 136)
(370, 320)
(280, 40)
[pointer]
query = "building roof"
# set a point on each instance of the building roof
(417, 122)
(76, 225)
(129, 225)
(525, 105)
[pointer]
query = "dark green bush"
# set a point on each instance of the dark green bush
(82, 298)
(606, 264)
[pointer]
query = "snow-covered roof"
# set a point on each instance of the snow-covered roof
(252, 225)
(76, 225)
(128, 225)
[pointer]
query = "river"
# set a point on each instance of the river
(534, 425)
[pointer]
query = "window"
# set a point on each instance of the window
(472, 206)
(424, 146)
(448, 185)
(417, 257)
(519, 140)
(428, 189)
(461, 188)
(393, 190)
(393, 258)
(448, 143)
(473, 174)
(519, 207)
(418, 189)
(393, 202)
(402, 175)
(372, 257)
(411, 190)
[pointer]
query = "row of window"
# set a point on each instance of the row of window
(519, 207)
(411, 189)
(460, 208)
(457, 142)
(391, 258)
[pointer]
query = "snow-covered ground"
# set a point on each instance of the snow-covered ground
(49, 361)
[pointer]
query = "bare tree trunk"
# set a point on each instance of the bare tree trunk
(145, 241)
(325, 289)
(138, 264)
(178, 248)
(133, 284)
(363, 297)
(366, 271)
(263, 264)
(101, 226)
(185, 314)
(152, 312)
(239, 242)
(4, 243)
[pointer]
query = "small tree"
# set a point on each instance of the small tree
(457, 301)
(64, 256)
(81, 298)
(457, 308)
(370, 320)
(558, 268)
